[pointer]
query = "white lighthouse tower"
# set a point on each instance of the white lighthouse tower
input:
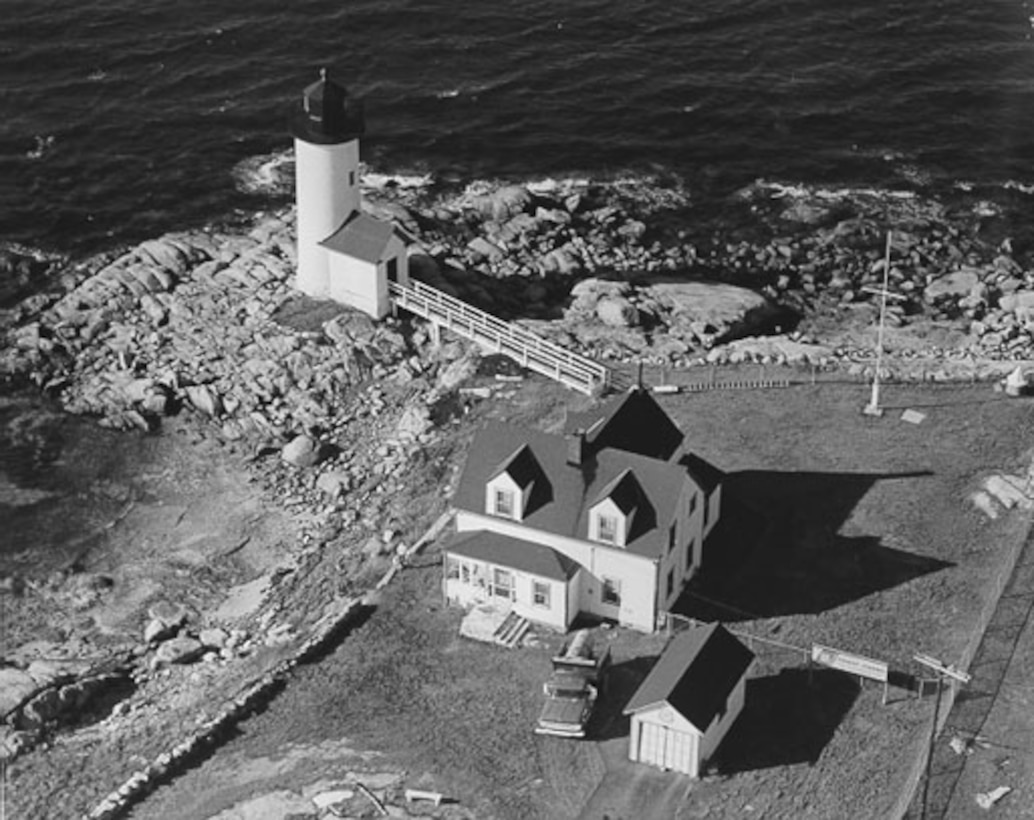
(326, 127)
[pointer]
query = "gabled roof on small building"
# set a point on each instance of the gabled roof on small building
(633, 422)
(514, 553)
(695, 674)
(363, 237)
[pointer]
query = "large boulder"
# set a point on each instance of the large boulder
(301, 451)
(713, 309)
(16, 686)
(616, 311)
(181, 649)
(956, 284)
(502, 203)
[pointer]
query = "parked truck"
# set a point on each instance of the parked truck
(579, 675)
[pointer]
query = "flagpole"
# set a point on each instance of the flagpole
(873, 408)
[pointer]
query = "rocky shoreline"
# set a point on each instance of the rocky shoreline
(333, 414)
(195, 318)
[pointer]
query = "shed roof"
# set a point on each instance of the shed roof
(526, 556)
(695, 674)
(574, 489)
(361, 236)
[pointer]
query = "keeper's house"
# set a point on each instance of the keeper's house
(689, 701)
(608, 519)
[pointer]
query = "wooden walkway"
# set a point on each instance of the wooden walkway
(495, 335)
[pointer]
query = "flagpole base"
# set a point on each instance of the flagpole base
(873, 410)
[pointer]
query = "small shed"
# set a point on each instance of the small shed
(690, 699)
(365, 255)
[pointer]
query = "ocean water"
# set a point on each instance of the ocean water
(122, 119)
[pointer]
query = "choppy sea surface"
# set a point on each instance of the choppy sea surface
(123, 119)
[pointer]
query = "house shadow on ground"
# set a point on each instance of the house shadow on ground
(622, 681)
(787, 718)
(777, 551)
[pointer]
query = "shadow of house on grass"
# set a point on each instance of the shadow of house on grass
(786, 720)
(777, 550)
(608, 719)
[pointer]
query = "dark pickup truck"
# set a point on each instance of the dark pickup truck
(571, 692)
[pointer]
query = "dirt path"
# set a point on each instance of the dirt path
(629, 791)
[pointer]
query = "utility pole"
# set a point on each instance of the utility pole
(943, 672)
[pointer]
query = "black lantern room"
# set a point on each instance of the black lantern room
(326, 113)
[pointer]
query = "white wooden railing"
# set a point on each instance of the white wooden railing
(513, 341)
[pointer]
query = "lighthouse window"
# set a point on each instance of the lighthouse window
(351, 178)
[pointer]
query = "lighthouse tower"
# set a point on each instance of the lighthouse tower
(326, 126)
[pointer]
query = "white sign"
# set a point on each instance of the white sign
(846, 662)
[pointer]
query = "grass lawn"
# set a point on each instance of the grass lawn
(840, 529)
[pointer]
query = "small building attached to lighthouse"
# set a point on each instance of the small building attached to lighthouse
(343, 253)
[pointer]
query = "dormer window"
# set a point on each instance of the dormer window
(517, 484)
(606, 528)
(504, 503)
(619, 509)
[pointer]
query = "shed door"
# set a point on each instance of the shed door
(680, 752)
(652, 744)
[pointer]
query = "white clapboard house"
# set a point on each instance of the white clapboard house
(607, 519)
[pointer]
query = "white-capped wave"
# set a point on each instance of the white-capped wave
(267, 174)
(371, 179)
(43, 144)
(1023, 188)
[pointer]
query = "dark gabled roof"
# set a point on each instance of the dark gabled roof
(361, 236)
(704, 472)
(527, 556)
(573, 489)
(633, 422)
(624, 491)
(695, 674)
(521, 467)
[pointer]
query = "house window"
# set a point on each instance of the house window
(502, 583)
(465, 572)
(393, 269)
(671, 583)
(504, 503)
(693, 503)
(705, 512)
(671, 537)
(452, 568)
(611, 592)
(607, 529)
(690, 550)
(540, 594)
